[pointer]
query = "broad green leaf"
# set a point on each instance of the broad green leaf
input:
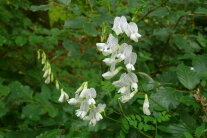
(187, 77)
(166, 97)
(202, 40)
(20, 91)
(33, 111)
(189, 100)
(200, 65)
(52, 111)
(76, 23)
(177, 130)
(40, 8)
(66, 2)
(201, 10)
(72, 47)
(160, 12)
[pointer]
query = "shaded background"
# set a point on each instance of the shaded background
(173, 40)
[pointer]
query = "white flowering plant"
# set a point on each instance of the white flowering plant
(105, 68)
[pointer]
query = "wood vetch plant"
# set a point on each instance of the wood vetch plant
(127, 84)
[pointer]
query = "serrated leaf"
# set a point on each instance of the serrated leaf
(199, 130)
(187, 77)
(200, 65)
(35, 8)
(165, 97)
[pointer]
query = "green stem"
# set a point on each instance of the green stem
(111, 118)
(121, 108)
(143, 133)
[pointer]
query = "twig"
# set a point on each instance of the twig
(150, 11)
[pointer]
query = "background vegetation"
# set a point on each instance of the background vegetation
(172, 67)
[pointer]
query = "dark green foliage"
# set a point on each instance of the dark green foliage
(171, 68)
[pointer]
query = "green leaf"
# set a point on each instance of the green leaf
(201, 10)
(125, 125)
(52, 111)
(71, 46)
(185, 44)
(160, 12)
(66, 2)
(33, 111)
(190, 101)
(199, 131)
(177, 130)
(166, 97)
(20, 40)
(2, 40)
(20, 91)
(3, 109)
(50, 134)
(77, 22)
(40, 8)
(187, 77)
(4, 90)
(200, 65)
(202, 40)
(187, 135)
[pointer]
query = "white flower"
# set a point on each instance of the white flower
(80, 113)
(108, 47)
(74, 101)
(95, 114)
(83, 87)
(84, 108)
(126, 97)
(127, 80)
(90, 94)
(146, 106)
(130, 61)
(131, 31)
(119, 24)
(123, 90)
(112, 72)
(111, 60)
(64, 96)
(124, 51)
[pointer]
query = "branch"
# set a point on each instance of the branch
(150, 11)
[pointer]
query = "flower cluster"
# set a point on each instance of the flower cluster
(49, 76)
(84, 98)
(128, 81)
(130, 29)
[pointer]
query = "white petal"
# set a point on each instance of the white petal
(134, 37)
(130, 67)
(146, 106)
(134, 87)
(122, 90)
(100, 46)
(72, 101)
